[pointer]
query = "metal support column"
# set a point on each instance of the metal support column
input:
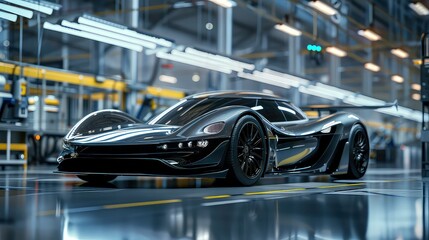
(295, 59)
(334, 70)
(394, 85)
(224, 39)
(131, 57)
(424, 78)
(368, 75)
(367, 82)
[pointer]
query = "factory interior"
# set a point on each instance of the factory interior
(63, 60)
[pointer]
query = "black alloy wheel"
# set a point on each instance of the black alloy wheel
(247, 153)
(97, 178)
(359, 152)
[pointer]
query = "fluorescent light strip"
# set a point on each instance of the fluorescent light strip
(224, 3)
(123, 30)
(219, 58)
(109, 34)
(315, 93)
(8, 16)
(32, 6)
(207, 60)
(286, 81)
(16, 10)
(322, 7)
(399, 53)
(362, 100)
(176, 58)
(48, 4)
(397, 78)
(370, 35)
(167, 79)
(372, 67)
(332, 91)
(95, 37)
(265, 78)
(336, 51)
(288, 29)
(419, 8)
(260, 79)
(297, 80)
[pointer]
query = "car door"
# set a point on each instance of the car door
(290, 149)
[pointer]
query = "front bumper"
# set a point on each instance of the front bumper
(146, 160)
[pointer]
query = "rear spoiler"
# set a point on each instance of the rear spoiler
(333, 109)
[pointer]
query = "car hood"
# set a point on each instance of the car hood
(133, 134)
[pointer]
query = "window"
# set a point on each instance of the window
(269, 110)
(290, 112)
(190, 109)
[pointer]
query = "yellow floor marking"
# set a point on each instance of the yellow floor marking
(140, 204)
(342, 185)
(217, 196)
(275, 191)
(400, 180)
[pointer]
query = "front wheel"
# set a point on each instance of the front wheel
(247, 152)
(97, 178)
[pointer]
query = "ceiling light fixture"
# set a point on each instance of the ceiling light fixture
(288, 29)
(419, 8)
(220, 59)
(316, 93)
(369, 34)
(322, 7)
(224, 3)
(415, 96)
(108, 34)
(16, 10)
(336, 51)
(263, 79)
(8, 16)
(196, 78)
(167, 79)
(399, 53)
(117, 28)
(372, 67)
(398, 79)
(92, 36)
(193, 62)
(33, 6)
(416, 86)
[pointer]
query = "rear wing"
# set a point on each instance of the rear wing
(333, 109)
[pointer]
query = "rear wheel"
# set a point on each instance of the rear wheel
(97, 178)
(247, 152)
(358, 155)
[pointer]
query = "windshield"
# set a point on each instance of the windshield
(188, 109)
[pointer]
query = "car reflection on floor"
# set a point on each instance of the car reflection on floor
(386, 204)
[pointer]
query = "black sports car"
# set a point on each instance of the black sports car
(241, 136)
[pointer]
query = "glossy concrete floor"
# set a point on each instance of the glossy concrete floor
(390, 202)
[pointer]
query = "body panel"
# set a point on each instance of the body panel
(119, 144)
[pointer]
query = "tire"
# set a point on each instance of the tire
(97, 178)
(359, 152)
(247, 152)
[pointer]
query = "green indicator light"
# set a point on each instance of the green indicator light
(318, 48)
(309, 47)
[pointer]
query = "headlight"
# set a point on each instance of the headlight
(214, 128)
